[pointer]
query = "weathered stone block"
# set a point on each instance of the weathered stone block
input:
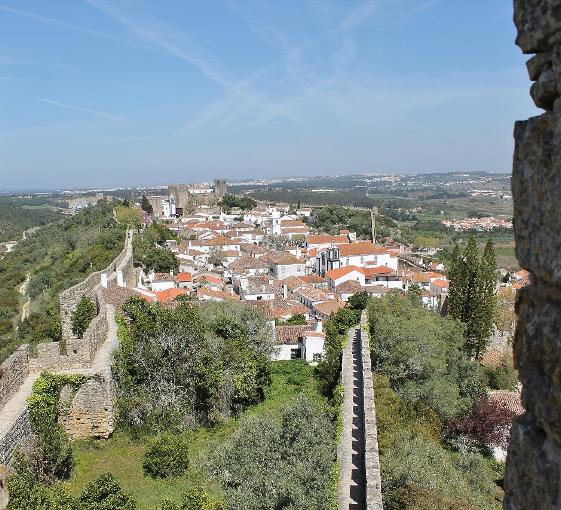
(533, 465)
(536, 186)
(536, 21)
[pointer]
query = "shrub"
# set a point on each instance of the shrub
(105, 493)
(199, 499)
(167, 456)
(83, 314)
(487, 425)
(504, 376)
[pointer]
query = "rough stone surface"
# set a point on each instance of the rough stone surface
(13, 372)
(88, 412)
(533, 471)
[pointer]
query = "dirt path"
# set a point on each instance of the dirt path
(23, 291)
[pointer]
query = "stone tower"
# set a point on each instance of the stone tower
(220, 188)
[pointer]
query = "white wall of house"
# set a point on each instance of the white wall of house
(262, 296)
(380, 259)
(284, 351)
(280, 272)
(164, 285)
(313, 348)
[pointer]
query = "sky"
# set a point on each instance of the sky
(143, 92)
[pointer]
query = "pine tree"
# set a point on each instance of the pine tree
(146, 206)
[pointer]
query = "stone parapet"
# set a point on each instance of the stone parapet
(371, 454)
(13, 372)
(17, 437)
(533, 471)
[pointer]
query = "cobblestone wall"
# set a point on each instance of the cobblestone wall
(533, 472)
(371, 455)
(13, 372)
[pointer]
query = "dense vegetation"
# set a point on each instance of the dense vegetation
(150, 252)
(56, 257)
(230, 202)
(429, 395)
(16, 216)
(280, 462)
(332, 219)
(294, 389)
(193, 365)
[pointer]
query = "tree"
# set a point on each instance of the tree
(422, 354)
(415, 294)
(126, 202)
(82, 315)
(146, 205)
(105, 493)
(358, 301)
(297, 319)
(472, 294)
(280, 462)
(485, 313)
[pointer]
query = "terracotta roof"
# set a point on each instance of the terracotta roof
(219, 294)
(327, 239)
(169, 294)
(289, 334)
(360, 248)
(377, 270)
(184, 277)
(293, 223)
(209, 278)
(313, 279)
(349, 287)
(163, 277)
(282, 258)
(329, 307)
(248, 262)
(440, 284)
(510, 399)
(335, 274)
(312, 294)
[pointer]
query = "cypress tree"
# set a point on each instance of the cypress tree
(146, 206)
(456, 289)
(485, 313)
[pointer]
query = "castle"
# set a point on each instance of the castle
(193, 195)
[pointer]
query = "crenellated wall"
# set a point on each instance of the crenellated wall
(371, 454)
(533, 471)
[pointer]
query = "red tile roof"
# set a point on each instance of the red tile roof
(335, 274)
(184, 277)
(360, 248)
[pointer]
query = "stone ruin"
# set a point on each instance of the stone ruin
(533, 471)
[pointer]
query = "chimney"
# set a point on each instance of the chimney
(104, 280)
(319, 324)
(284, 290)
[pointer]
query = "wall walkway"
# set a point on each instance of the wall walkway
(359, 482)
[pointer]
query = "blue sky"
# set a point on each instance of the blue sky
(141, 92)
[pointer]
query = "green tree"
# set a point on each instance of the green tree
(358, 301)
(415, 294)
(485, 313)
(472, 297)
(280, 462)
(297, 319)
(82, 315)
(105, 493)
(146, 205)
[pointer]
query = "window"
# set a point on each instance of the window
(259, 298)
(316, 358)
(295, 353)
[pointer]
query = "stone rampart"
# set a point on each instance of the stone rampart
(13, 372)
(371, 454)
(17, 436)
(533, 471)
(70, 297)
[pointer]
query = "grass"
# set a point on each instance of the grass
(122, 455)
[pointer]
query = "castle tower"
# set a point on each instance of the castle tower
(220, 188)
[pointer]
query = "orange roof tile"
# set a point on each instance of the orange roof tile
(360, 248)
(335, 274)
(184, 277)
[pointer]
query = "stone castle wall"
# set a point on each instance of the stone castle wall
(371, 454)
(17, 437)
(89, 412)
(533, 471)
(13, 372)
